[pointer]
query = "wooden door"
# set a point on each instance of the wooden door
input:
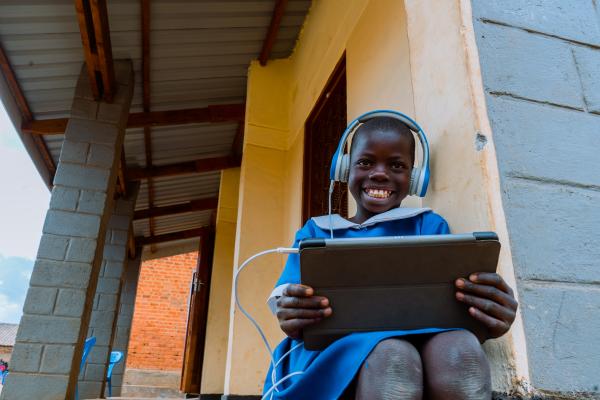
(323, 129)
(193, 356)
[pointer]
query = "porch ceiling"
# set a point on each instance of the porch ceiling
(199, 52)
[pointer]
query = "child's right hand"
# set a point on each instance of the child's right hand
(297, 308)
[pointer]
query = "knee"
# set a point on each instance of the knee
(463, 371)
(393, 370)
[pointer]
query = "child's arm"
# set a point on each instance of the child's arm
(297, 308)
(492, 301)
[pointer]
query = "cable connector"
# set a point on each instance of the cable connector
(288, 250)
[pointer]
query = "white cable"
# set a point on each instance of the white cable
(281, 250)
(331, 185)
(279, 382)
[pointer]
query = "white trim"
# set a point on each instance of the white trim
(340, 222)
(275, 294)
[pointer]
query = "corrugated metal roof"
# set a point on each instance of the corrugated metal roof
(199, 56)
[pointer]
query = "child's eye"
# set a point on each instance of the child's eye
(398, 165)
(363, 163)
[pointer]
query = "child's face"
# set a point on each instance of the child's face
(380, 167)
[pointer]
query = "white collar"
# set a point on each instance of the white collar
(340, 222)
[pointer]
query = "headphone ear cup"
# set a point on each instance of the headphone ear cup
(344, 168)
(414, 181)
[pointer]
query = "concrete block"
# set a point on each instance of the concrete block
(92, 201)
(98, 355)
(61, 274)
(89, 390)
(95, 372)
(81, 250)
(83, 89)
(72, 224)
(107, 302)
(47, 387)
(119, 237)
(125, 207)
(26, 357)
(103, 335)
(562, 324)
(112, 112)
(53, 247)
(569, 19)
(57, 359)
(64, 198)
(101, 155)
(73, 152)
(553, 231)
(70, 303)
(545, 142)
(115, 253)
(588, 63)
(79, 176)
(125, 320)
(113, 269)
(84, 108)
(44, 329)
(102, 319)
(124, 72)
(40, 300)
(108, 286)
(528, 65)
(79, 130)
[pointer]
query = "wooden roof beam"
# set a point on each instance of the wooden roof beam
(189, 167)
(38, 150)
(190, 206)
(95, 36)
(269, 41)
(216, 113)
(168, 237)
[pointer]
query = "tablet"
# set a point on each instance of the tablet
(393, 282)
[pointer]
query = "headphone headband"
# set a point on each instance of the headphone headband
(340, 165)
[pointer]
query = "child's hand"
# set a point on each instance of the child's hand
(491, 299)
(298, 308)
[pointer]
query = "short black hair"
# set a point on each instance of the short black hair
(386, 124)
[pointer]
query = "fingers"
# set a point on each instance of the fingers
(488, 307)
(299, 302)
(293, 327)
(296, 290)
(495, 326)
(285, 314)
(485, 287)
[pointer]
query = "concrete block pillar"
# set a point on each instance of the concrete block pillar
(106, 300)
(120, 339)
(47, 353)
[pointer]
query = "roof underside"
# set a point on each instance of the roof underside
(199, 56)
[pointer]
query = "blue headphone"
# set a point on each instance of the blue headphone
(340, 164)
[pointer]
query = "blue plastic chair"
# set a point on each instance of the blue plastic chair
(87, 347)
(115, 358)
(4, 374)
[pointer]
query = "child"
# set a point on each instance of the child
(429, 363)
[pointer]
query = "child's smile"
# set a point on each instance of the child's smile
(380, 167)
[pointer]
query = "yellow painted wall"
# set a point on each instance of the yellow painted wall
(411, 56)
(215, 354)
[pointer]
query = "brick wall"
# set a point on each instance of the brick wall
(159, 320)
(540, 62)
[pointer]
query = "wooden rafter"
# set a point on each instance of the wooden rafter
(189, 167)
(168, 237)
(122, 175)
(193, 205)
(269, 41)
(216, 113)
(95, 36)
(26, 114)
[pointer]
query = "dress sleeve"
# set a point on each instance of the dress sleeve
(291, 271)
(434, 224)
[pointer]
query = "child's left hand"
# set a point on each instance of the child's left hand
(491, 301)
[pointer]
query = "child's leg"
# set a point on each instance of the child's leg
(456, 367)
(392, 371)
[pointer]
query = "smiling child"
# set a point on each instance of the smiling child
(392, 365)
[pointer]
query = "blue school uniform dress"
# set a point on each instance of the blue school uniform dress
(327, 373)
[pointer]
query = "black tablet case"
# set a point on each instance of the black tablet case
(393, 283)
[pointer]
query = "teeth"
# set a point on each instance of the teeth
(379, 193)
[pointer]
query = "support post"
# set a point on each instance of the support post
(49, 344)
